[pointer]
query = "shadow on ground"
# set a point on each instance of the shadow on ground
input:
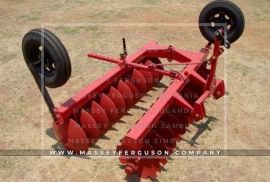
(202, 127)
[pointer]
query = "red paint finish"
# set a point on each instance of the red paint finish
(108, 98)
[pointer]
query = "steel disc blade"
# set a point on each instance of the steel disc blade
(156, 141)
(163, 160)
(89, 126)
(71, 136)
(156, 76)
(126, 94)
(156, 165)
(166, 134)
(149, 79)
(119, 101)
(184, 123)
(100, 117)
(158, 144)
(157, 61)
(143, 166)
(110, 109)
(189, 120)
(139, 80)
(145, 171)
(182, 118)
(174, 124)
(136, 93)
(148, 167)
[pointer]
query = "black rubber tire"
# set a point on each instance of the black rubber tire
(231, 10)
(55, 55)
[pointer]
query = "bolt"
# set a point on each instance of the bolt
(196, 115)
(213, 57)
(213, 86)
(64, 140)
(55, 110)
(129, 170)
(218, 93)
(58, 116)
(136, 160)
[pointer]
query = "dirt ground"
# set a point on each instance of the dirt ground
(238, 120)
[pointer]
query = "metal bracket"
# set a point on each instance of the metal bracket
(170, 50)
(219, 34)
(43, 89)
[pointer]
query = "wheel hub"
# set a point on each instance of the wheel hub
(219, 19)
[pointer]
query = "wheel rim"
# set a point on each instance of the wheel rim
(220, 18)
(49, 66)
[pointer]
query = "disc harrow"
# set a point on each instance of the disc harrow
(81, 120)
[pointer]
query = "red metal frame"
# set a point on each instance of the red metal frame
(137, 139)
(196, 79)
(152, 49)
(171, 95)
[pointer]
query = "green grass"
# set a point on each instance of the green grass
(68, 30)
(243, 69)
(102, 14)
(31, 16)
(150, 1)
(8, 57)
